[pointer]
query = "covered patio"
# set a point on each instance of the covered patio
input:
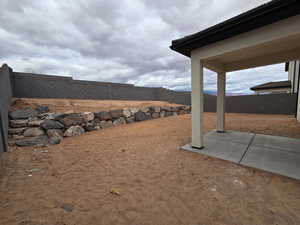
(266, 35)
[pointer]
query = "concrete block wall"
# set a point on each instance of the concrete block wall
(6, 94)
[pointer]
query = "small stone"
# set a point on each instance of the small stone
(16, 130)
(17, 137)
(106, 124)
(88, 116)
(55, 136)
(23, 113)
(51, 124)
(103, 115)
(74, 131)
(117, 113)
(140, 116)
(33, 141)
(67, 207)
(162, 113)
(52, 116)
(126, 113)
(73, 119)
(33, 132)
(35, 123)
(18, 123)
(155, 115)
(154, 109)
(42, 109)
(130, 120)
(168, 114)
(119, 121)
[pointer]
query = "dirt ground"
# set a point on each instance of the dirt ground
(136, 174)
(80, 105)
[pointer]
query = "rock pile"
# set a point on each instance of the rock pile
(39, 127)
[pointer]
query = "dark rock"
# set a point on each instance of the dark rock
(74, 131)
(117, 113)
(52, 116)
(33, 141)
(51, 124)
(23, 113)
(154, 109)
(148, 116)
(106, 124)
(168, 113)
(140, 116)
(130, 120)
(55, 136)
(18, 123)
(155, 115)
(16, 130)
(103, 115)
(92, 126)
(181, 112)
(42, 109)
(33, 132)
(73, 119)
(119, 121)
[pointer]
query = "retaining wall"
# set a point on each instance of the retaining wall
(5, 100)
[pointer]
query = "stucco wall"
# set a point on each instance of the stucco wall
(5, 100)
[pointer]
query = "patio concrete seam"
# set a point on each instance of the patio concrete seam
(247, 149)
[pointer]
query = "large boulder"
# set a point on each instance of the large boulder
(73, 119)
(74, 131)
(106, 124)
(33, 132)
(18, 123)
(119, 121)
(117, 113)
(155, 115)
(88, 116)
(23, 113)
(130, 119)
(103, 115)
(127, 113)
(140, 116)
(33, 141)
(51, 124)
(16, 130)
(55, 136)
(42, 109)
(35, 123)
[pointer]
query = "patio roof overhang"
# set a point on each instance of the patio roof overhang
(266, 35)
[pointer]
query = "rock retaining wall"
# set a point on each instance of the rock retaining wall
(38, 127)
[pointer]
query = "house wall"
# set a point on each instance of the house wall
(5, 100)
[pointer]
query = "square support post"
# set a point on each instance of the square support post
(221, 102)
(298, 106)
(197, 104)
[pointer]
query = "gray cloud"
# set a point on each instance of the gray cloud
(117, 41)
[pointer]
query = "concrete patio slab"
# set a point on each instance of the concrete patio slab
(275, 142)
(274, 154)
(285, 163)
(231, 136)
(220, 149)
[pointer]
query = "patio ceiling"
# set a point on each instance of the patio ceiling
(275, 43)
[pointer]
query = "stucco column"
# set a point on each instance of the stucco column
(221, 102)
(298, 107)
(197, 104)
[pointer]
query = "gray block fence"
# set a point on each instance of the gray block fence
(29, 85)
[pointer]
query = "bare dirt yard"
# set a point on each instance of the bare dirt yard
(136, 174)
(83, 105)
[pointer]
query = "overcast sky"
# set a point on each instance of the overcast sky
(124, 41)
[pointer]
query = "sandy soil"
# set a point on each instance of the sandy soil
(158, 184)
(79, 105)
